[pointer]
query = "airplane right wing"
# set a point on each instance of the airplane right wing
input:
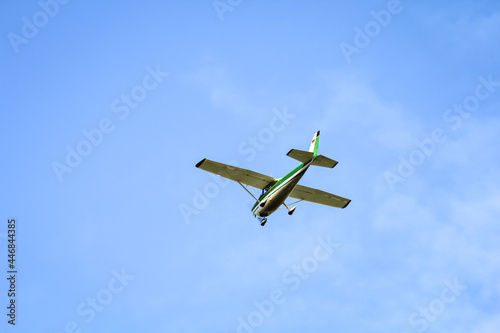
(236, 174)
(318, 196)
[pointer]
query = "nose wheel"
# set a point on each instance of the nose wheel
(263, 222)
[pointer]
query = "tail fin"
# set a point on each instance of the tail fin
(314, 144)
(312, 154)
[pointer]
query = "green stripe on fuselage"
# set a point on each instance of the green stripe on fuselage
(282, 180)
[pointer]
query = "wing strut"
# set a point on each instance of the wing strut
(249, 192)
(290, 210)
(293, 203)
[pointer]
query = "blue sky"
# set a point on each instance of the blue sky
(109, 106)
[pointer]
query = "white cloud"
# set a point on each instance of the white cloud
(355, 107)
(464, 24)
(430, 232)
(223, 91)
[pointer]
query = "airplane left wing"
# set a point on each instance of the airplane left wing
(318, 196)
(236, 174)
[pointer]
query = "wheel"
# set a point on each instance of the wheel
(263, 221)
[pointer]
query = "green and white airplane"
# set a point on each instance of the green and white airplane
(276, 191)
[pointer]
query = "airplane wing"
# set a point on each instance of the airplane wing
(318, 196)
(244, 176)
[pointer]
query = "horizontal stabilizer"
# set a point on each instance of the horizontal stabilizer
(324, 161)
(305, 156)
(300, 155)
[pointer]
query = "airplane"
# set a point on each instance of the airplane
(275, 191)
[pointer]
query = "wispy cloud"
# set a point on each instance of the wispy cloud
(355, 104)
(222, 89)
(476, 25)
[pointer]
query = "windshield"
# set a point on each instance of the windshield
(264, 190)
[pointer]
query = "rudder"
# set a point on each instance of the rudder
(314, 144)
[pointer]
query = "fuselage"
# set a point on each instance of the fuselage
(275, 196)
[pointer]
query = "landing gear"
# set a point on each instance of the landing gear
(290, 210)
(264, 220)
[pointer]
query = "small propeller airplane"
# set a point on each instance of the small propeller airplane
(276, 191)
